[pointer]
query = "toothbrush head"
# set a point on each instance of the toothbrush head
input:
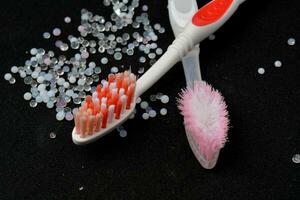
(109, 106)
(206, 121)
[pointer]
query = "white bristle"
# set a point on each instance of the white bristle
(102, 81)
(111, 110)
(112, 86)
(105, 84)
(95, 95)
(123, 100)
(114, 92)
(121, 92)
(95, 101)
(132, 77)
(103, 106)
(104, 100)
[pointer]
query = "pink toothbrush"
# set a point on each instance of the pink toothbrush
(201, 119)
(206, 121)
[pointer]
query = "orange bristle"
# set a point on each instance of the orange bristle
(109, 102)
(96, 109)
(132, 78)
(100, 94)
(118, 109)
(119, 80)
(130, 93)
(98, 89)
(126, 74)
(108, 95)
(125, 83)
(90, 124)
(106, 91)
(91, 106)
(98, 122)
(83, 108)
(115, 100)
(111, 78)
(88, 99)
(104, 119)
(83, 125)
(89, 111)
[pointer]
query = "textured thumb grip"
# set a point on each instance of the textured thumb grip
(211, 12)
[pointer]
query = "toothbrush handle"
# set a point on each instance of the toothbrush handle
(206, 21)
(191, 66)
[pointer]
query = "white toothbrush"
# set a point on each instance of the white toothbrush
(205, 22)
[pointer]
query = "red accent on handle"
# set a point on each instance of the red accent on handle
(211, 12)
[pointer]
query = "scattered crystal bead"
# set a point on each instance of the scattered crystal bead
(142, 59)
(138, 100)
(151, 55)
(50, 104)
(104, 60)
(46, 35)
(64, 47)
(291, 41)
(145, 116)
(14, 69)
(69, 116)
(77, 100)
(114, 70)
(12, 80)
(144, 104)
(296, 158)
(261, 70)
(117, 56)
(75, 111)
(277, 63)
(52, 135)
(145, 8)
(153, 98)
(33, 103)
(159, 95)
(56, 32)
(158, 51)
(7, 76)
(212, 37)
(123, 133)
(27, 96)
(67, 20)
(163, 111)
(60, 115)
(152, 113)
(164, 99)
(141, 70)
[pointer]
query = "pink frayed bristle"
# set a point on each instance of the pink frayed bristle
(205, 116)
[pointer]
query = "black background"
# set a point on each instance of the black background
(154, 161)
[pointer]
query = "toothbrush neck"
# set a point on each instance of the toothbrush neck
(176, 51)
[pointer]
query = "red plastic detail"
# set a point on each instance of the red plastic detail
(211, 12)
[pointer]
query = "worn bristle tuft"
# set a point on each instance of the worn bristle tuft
(110, 100)
(205, 117)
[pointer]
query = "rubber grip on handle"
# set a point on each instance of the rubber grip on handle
(211, 12)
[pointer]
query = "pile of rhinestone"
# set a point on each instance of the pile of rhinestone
(63, 82)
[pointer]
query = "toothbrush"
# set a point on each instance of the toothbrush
(205, 121)
(205, 22)
(195, 99)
